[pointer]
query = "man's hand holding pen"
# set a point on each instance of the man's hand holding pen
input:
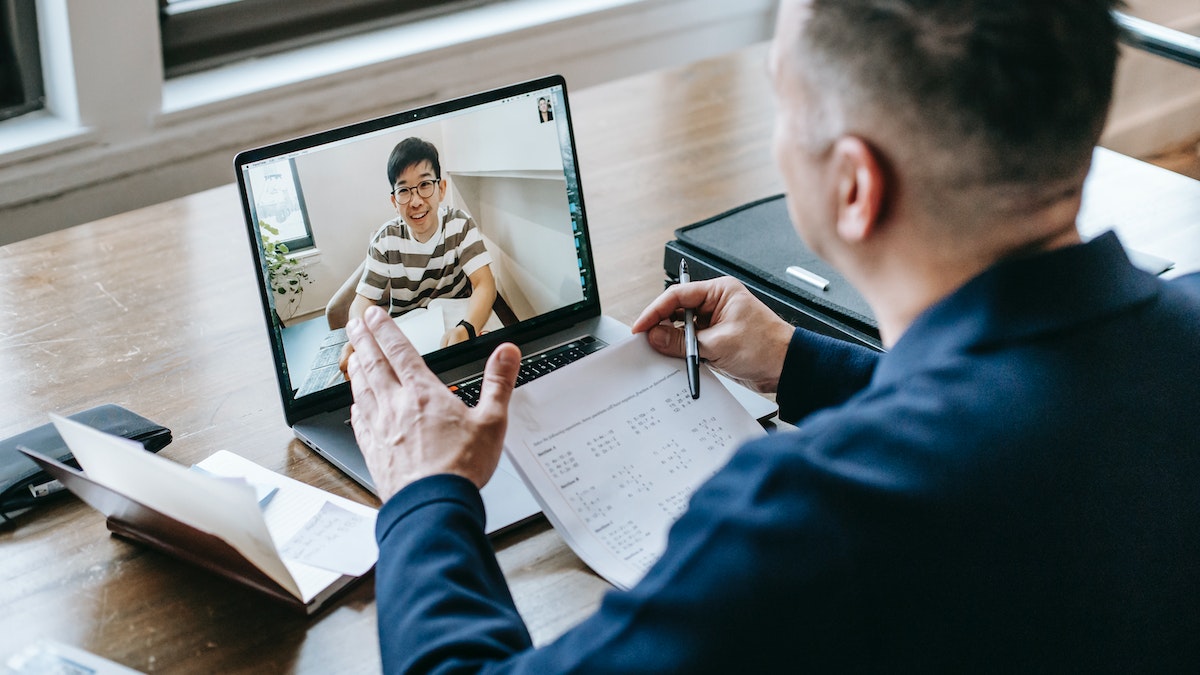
(691, 347)
(736, 334)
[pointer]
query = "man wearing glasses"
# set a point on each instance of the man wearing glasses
(426, 251)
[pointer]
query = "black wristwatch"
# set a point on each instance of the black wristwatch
(470, 329)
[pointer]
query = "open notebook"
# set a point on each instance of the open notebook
(296, 543)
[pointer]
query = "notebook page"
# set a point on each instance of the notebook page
(297, 506)
(423, 327)
(613, 446)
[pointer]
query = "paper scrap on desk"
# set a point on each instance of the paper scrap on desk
(335, 539)
(49, 657)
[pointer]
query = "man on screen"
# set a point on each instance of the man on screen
(1012, 487)
(427, 251)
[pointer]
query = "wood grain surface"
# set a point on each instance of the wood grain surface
(157, 310)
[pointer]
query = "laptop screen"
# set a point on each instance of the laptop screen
(463, 219)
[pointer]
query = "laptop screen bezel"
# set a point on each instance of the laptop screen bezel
(339, 396)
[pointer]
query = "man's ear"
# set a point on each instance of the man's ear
(861, 185)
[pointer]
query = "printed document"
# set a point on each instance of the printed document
(613, 446)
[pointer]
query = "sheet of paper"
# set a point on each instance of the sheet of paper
(455, 310)
(50, 657)
(423, 327)
(262, 493)
(336, 540)
(613, 446)
(222, 508)
(295, 505)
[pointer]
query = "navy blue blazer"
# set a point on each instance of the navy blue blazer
(1014, 486)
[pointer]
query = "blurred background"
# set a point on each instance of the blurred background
(109, 106)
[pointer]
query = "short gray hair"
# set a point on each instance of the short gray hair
(1008, 91)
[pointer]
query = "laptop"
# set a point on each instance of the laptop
(316, 205)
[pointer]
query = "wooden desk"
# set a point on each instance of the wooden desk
(157, 310)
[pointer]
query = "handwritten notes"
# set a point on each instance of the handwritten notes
(336, 540)
(613, 446)
(298, 516)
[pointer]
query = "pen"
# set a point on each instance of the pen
(689, 337)
(808, 277)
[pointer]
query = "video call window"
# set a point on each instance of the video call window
(501, 204)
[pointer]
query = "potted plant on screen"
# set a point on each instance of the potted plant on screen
(286, 274)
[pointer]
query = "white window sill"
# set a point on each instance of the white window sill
(338, 58)
(39, 134)
(306, 257)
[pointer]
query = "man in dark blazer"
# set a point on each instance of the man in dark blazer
(1014, 485)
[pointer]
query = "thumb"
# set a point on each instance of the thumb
(666, 340)
(499, 377)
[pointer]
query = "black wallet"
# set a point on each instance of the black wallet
(24, 484)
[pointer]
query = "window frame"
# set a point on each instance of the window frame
(201, 34)
(20, 59)
(295, 201)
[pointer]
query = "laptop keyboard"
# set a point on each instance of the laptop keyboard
(534, 366)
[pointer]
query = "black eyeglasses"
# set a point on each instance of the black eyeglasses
(424, 189)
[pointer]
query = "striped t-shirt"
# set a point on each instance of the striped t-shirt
(418, 272)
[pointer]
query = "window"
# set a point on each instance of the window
(279, 204)
(20, 64)
(200, 34)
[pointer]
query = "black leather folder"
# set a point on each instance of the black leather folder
(756, 243)
(18, 474)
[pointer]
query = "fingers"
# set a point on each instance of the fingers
(365, 359)
(499, 377)
(344, 360)
(660, 309)
(695, 295)
(391, 343)
(363, 413)
(667, 340)
(360, 423)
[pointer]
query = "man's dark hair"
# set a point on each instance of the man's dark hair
(408, 152)
(1023, 85)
